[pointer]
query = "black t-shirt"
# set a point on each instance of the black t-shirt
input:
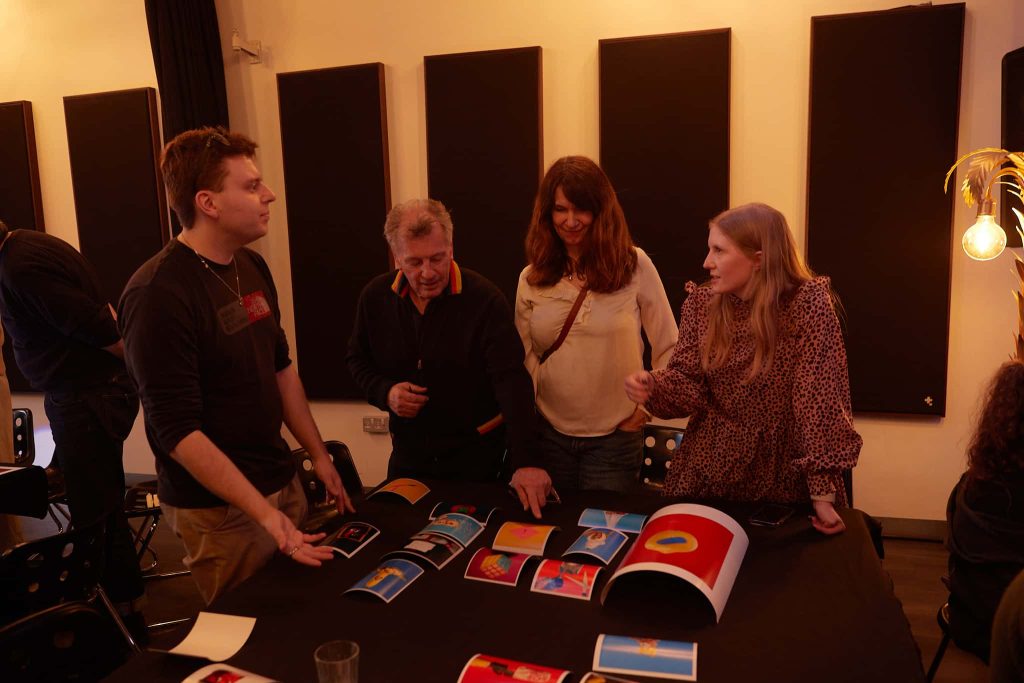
(203, 361)
(54, 313)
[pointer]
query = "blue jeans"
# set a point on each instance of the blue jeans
(609, 463)
(89, 427)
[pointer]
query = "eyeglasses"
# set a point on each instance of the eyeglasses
(219, 137)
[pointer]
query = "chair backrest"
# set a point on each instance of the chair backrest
(49, 571)
(24, 437)
(316, 493)
(660, 444)
(69, 642)
(848, 483)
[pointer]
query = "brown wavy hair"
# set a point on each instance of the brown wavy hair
(607, 257)
(755, 228)
(997, 448)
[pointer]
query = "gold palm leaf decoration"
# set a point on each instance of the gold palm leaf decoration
(1019, 294)
(990, 166)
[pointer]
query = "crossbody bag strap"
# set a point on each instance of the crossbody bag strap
(569, 319)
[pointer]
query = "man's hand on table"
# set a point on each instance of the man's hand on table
(294, 543)
(532, 485)
(328, 474)
(826, 519)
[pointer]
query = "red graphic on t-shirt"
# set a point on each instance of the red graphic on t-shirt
(712, 541)
(256, 305)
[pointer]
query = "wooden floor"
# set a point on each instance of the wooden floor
(916, 568)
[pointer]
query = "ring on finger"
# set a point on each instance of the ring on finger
(293, 551)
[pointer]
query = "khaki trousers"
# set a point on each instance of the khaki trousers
(223, 545)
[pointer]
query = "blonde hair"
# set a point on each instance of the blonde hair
(755, 228)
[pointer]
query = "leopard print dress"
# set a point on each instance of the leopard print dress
(783, 437)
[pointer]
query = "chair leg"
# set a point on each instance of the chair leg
(165, 624)
(117, 619)
(937, 659)
(166, 575)
(53, 516)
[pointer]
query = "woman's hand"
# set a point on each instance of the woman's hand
(639, 386)
(635, 422)
(826, 519)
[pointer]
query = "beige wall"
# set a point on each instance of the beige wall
(51, 49)
(907, 465)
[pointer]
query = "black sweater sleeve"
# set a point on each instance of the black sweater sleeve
(162, 353)
(510, 381)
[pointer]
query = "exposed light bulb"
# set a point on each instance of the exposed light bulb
(984, 240)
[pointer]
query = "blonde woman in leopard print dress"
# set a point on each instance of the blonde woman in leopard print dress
(760, 369)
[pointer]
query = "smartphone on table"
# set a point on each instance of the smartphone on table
(771, 515)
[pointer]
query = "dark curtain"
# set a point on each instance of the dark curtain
(189, 64)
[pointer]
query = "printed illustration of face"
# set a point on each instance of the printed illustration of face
(595, 539)
(243, 202)
(571, 223)
(425, 261)
(730, 268)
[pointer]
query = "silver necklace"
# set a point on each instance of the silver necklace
(237, 291)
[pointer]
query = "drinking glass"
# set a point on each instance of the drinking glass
(337, 661)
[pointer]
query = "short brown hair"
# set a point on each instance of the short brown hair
(194, 161)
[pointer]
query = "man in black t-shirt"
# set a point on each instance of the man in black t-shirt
(203, 339)
(67, 345)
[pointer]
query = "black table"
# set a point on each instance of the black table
(804, 607)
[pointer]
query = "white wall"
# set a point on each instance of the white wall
(907, 466)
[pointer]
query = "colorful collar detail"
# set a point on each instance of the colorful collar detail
(400, 286)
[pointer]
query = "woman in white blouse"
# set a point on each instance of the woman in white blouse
(582, 259)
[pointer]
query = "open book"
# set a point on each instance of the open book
(698, 544)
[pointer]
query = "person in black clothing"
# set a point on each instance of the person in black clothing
(435, 346)
(66, 343)
(1008, 635)
(203, 339)
(986, 514)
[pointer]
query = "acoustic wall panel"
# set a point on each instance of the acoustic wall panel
(885, 94)
(335, 150)
(1012, 139)
(21, 202)
(484, 153)
(120, 204)
(665, 143)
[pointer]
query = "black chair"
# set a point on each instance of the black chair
(141, 502)
(24, 437)
(660, 443)
(68, 642)
(848, 483)
(63, 569)
(25, 454)
(943, 618)
(321, 511)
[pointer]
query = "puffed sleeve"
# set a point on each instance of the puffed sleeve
(655, 311)
(821, 392)
(679, 389)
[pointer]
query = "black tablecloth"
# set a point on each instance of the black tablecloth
(805, 607)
